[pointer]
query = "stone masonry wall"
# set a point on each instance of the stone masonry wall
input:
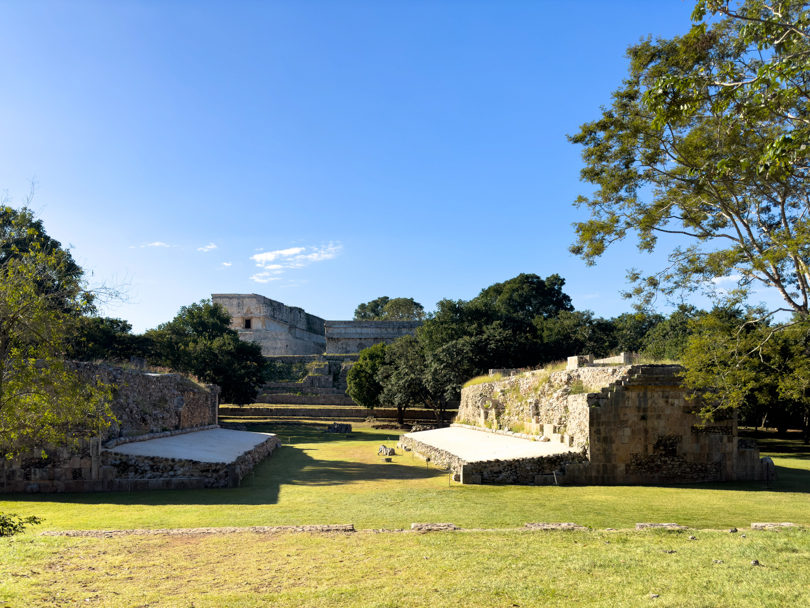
(279, 329)
(89, 468)
(143, 404)
(344, 337)
(525, 471)
(634, 423)
(146, 403)
(644, 429)
(527, 402)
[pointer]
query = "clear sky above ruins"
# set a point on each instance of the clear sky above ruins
(319, 153)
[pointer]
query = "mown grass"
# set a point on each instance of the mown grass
(484, 568)
(319, 478)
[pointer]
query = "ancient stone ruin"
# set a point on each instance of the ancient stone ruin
(151, 411)
(613, 423)
(294, 339)
(287, 330)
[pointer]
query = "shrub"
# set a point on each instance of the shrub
(11, 523)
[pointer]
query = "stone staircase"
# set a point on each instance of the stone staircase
(637, 376)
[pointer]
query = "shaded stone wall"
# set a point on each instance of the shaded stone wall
(344, 337)
(144, 404)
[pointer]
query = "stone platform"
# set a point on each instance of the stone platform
(475, 446)
(205, 458)
(483, 457)
(214, 445)
(212, 458)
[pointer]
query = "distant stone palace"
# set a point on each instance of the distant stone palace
(287, 330)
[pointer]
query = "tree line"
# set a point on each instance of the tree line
(528, 321)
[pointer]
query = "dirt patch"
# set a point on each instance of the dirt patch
(199, 531)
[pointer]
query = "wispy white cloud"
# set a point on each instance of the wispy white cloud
(732, 278)
(226, 264)
(273, 264)
(207, 248)
(155, 244)
(264, 277)
(262, 259)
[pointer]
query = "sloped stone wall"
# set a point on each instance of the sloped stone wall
(635, 424)
(527, 402)
(144, 404)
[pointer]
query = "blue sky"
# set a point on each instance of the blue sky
(319, 153)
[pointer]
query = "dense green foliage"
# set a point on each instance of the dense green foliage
(462, 339)
(200, 341)
(708, 138)
(388, 309)
(738, 360)
(364, 388)
(106, 339)
(23, 236)
(43, 399)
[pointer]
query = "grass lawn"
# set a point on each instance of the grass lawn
(318, 479)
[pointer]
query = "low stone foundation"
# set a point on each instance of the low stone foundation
(546, 470)
(92, 470)
(539, 470)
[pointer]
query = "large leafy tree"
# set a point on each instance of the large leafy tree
(200, 341)
(708, 138)
(105, 339)
(497, 328)
(44, 400)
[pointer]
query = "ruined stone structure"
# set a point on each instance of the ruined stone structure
(345, 337)
(616, 424)
(287, 330)
(279, 329)
(146, 406)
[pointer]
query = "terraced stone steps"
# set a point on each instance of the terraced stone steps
(330, 412)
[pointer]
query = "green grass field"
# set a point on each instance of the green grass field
(318, 478)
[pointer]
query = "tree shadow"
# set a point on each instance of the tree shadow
(287, 465)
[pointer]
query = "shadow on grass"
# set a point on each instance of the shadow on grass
(773, 444)
(293, 433)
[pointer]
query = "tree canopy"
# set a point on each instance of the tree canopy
(388, 309)
(497, 328)
(43, 399)
(707, 138)
(200, 341)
